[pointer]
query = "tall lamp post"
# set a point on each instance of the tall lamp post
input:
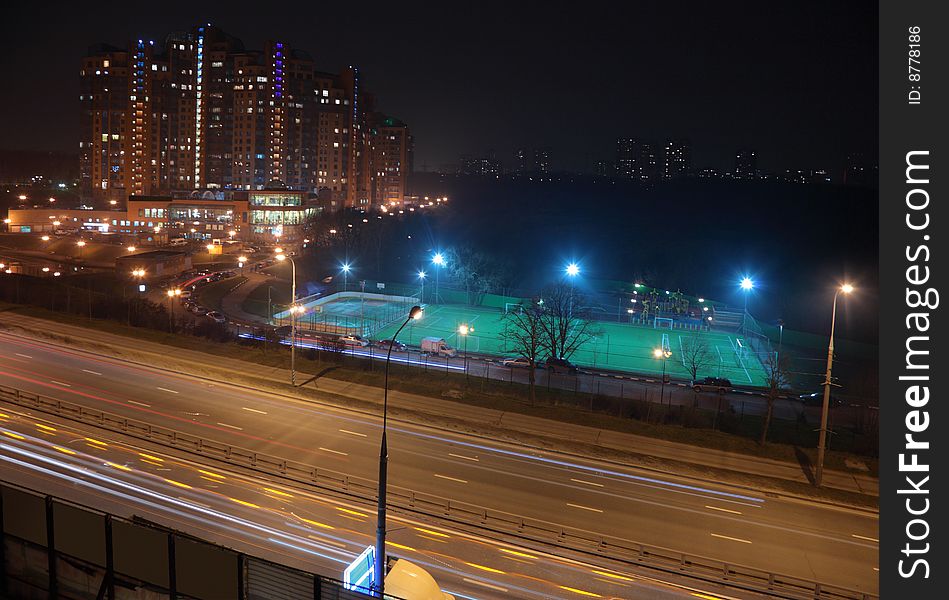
(664, 355)
(421, 294)
(572, 270)
(438, 260)
(464, 330)
(346, 268)
(747, 284)
(379, 568)
(821, 443)
(241, 260)
(294, 309)
(172, 294)
(81, 244)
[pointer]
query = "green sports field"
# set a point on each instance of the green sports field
(617, 346)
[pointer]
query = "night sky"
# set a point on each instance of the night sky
(796, 82)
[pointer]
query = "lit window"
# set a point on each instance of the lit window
(105, 63)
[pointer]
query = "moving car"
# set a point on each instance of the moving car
(712, 384)
(560, 365)
(817, 399)
(518, 363)
(199, 310)
(395, 344)
(216, 317)
(353, 340)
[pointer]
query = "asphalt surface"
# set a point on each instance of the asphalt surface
(815, 541)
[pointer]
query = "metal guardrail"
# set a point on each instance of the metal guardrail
(535, 530)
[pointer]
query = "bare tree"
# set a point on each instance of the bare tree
(524, 334)
(776, 370)
(696, 356)
(564, 320)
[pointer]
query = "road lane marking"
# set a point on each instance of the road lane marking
(59, 383)
(471, 458)
(139, 403)
(14, 435)
(449, 478)
(734, 512)
(96, 442)
(334, 451)
(351, 512)
(178, 484)
(150, 457)
(63, 450)
(167, 390)
(487, 585)
(241, 502)
(484, 568)
(863, 537)
(584, 507)
(45, 427)
(587, 482)
(231, 426)
(430, 532)
(92, 372)
(614, 576)
(210, 474)
(278, 492)
(253, 410)
(312, 522)
(24, 355)
(734, 539)
(400, 546)
(352, 432)
(117, 466)
(516, 553)
(581, 592)
(705, 596)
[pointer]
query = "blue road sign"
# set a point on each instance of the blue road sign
(360, 575)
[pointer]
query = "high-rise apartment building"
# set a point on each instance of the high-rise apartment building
(676, 159)
(636, 160)
(390, 158)
(201, 111)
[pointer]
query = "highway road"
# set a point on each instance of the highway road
(827, 543)
(291, 526)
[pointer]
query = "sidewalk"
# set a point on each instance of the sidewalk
(427, 411)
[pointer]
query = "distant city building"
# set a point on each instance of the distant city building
(676, 159)
(532, 161)
(542, 161)
(522, 163)
(746, 165)
(481, 167)
(806, 176)
(636, 160)
(858, 172)
(200, 111)
(603, 168)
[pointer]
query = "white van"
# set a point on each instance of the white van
(437, 346)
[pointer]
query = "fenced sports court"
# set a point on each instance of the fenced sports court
(616, 346)
(349, 313)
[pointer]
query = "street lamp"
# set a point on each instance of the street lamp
(464, 330)
(746, 286)
(664, 355)
(345, 267)
(572, 270)
(172, 294)
(131, 248)
(438, 260)
(294, 309)
(380, 560)
(240, 263)
(81, 244)
(822, 440)
(421, 279)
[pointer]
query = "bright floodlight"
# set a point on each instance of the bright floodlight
(573, 269)
(345, 267)
(463, 329)
(747, 284)
(421, 275)
(846, 288)
(657, 353)
(438, 259)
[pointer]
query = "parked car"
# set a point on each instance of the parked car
(395, 344)
(199, 310)
(216, 316)
(817, 399)
(712, 384)
(560, 365)
(518, 363)
(353, 340)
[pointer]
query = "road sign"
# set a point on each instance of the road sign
(381, 286)
(360, 575)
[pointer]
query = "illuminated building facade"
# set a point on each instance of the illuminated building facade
(199, 111)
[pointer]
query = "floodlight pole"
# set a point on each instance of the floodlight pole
(379, 566)
(825, 406)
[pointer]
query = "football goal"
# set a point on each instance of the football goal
(513, 307)
(662, 323)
